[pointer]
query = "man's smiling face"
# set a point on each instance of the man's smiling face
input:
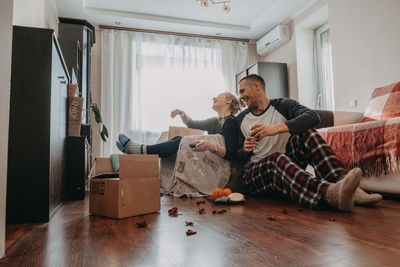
(248, 93)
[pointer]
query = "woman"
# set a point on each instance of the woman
(226, 105)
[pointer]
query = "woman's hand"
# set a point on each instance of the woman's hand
(203, 145)
(176, 112)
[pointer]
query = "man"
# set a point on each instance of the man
(278, 142)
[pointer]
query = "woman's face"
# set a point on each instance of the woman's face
(220, 101)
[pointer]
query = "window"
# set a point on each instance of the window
(145, 76)
(324, 66)
(183, 77)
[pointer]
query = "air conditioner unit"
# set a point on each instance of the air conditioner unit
(273, 40)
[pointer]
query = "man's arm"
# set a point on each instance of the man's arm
(299, 118)
(258, 131)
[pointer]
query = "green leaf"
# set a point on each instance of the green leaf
(103, 137)
(105, 131)
(96, 111)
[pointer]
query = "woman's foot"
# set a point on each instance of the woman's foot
(127, 146)
(123, 143)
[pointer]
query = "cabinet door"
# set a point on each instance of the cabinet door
(253, 69)
(239, 76)
(58, 130)
(275, 76)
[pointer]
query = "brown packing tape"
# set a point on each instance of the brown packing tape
(133, 166)
(183, 131)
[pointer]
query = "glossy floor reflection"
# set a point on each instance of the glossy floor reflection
(243, 236)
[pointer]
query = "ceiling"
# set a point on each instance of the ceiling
(249, 19)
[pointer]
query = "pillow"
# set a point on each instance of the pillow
(384, 103)
(115, 162)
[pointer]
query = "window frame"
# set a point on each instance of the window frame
(322, 90)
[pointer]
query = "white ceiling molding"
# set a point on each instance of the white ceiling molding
(246, 20)
(149, 17)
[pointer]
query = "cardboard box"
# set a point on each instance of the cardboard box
(183, 131)
(75, 116)
(135, 192)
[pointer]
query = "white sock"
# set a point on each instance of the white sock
(136, 148)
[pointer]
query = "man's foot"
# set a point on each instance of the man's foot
(126, 145)
(361, 198)
(341, 194)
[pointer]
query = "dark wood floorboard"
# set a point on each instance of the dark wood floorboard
(243, 236)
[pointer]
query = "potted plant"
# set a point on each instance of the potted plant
(97, 117)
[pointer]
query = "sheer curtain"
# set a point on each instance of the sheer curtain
(145, 76)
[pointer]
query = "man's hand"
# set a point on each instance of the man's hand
(176, 112)
(203, 145)
(259, 131)
(249, 144)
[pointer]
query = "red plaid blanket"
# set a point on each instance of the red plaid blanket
(372, 146)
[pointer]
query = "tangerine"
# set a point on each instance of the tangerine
(227, 192)
(217, 193)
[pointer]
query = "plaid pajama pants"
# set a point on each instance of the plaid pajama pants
(285, 172)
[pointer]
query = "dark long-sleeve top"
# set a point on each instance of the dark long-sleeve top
(297, 117)
(228, 127)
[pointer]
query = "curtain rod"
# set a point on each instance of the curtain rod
(173, 33)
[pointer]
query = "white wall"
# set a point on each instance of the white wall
(6, 17)
(365, 43)
(36, 13)
(287, 53)
(365, 37)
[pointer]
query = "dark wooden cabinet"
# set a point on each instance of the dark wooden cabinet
(274, 74)
(78, 162)
(38, 126)
(76, 39)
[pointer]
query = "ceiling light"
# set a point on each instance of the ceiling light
(226, 8)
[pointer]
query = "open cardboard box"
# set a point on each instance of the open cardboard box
(135, 192)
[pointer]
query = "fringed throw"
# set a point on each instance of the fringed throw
(372, 146)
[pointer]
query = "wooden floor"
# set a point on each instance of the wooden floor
(243, 236)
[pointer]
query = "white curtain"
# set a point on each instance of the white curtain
(145, 76)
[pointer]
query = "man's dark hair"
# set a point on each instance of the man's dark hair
(254, 78)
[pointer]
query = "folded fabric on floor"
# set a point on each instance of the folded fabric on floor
(194, 174)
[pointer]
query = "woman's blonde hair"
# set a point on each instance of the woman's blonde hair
(235, 105)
